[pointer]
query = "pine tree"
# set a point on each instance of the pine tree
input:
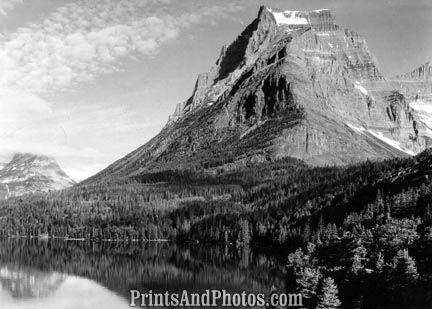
(388, 211)
(380, 262)
(307, 280)
(358, 258)
(379, 201)
(356, 265)
(328, 298)
(405, 269)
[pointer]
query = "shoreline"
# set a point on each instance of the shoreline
(85, 239)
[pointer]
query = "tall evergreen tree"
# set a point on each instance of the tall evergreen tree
(328, 299)
(359, 255)
(379, 262)
(307, 280)
(405, 269)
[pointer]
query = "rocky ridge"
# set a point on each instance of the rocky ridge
(423, 72)
(292, 84)
(416, 89)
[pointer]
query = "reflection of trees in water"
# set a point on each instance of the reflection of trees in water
(25, 282)
(156, 266)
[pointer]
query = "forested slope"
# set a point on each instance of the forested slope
(368, 226)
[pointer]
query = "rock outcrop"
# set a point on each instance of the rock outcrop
(415, 88)
(422, 73)
(293, 84)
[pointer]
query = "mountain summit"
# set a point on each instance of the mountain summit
(30, 173)
(292, 84)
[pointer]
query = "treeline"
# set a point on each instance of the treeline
(272, 200)
(126, 212)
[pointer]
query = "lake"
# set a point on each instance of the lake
(45, 274)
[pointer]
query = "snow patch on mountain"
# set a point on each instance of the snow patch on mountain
(357, 129)
(391, 142)
(288, 18)
(424, 112)
(421, 107)
(359, 87)
(427, 120)
(381, 137)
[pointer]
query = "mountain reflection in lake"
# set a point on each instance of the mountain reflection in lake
(58, 274)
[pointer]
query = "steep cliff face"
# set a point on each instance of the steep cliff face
(415, 88)
(422, 73)
(29, 173)
(292, 84)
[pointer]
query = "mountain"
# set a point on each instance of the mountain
(293, 84)
(416, 87)
(242, 163)
(30, 173)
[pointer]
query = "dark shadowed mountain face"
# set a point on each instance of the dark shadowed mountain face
(293, 84)
(29, 173)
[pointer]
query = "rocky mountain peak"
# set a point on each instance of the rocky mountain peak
(28, 162)
(34, 159)
(292, 84)
(29, 173)
(313, 34)
(320, 20)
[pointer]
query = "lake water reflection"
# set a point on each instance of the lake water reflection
(56, 274)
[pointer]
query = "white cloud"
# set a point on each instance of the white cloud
(75, 43)
(6, 5)
(81, 40)
(78, 137)
(19, 109)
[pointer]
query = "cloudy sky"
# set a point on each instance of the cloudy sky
(88, 81)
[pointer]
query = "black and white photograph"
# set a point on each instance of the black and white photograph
(216, 154)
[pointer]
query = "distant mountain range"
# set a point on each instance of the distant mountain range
(30, 173)
(293, 84)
